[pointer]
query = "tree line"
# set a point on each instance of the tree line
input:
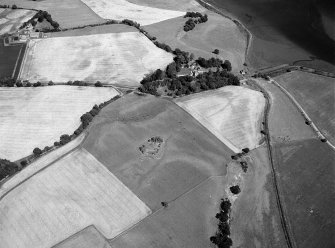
(194, 18)
(222, 237)
(41, 16)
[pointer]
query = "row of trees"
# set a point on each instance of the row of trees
(221, 238)
(195, 18)
(214, 62)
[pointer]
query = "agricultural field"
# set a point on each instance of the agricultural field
(286, 122)
(37, 117)
(180, 5)
(14, 56)
(306, 173)
(122, 9)
(88, 238)
(113, 58)
(38, 165)
(233, 114)
(72, 194)
(11, 20)
(217, 33)
(316, 95)
(68, 13)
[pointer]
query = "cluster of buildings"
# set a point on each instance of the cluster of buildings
(23, 35)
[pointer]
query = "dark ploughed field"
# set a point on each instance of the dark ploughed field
(285, 31)
(9, 55)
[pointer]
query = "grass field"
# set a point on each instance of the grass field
(11, 54)
(306, 173)
(68, 13)
(122, 9)
(38, 165)
(37, 117)
(180, 5)
(217, 33)
(316, 95)
(233, 114)
(76, 192)
(286, 122)
(90, 237)
(114, 58)
(11, 20)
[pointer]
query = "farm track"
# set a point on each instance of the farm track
(283, 219)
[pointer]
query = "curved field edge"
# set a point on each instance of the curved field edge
(69, 208)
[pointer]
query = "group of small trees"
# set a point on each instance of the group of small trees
(41, 16)
(221, 238)
(240, 154)
(195, 18)
(8, 168)
(214, 62)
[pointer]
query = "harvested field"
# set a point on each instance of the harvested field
(60, 201)
(11, 20)
(122, 9)
(187, 222)
(233, 114)
(217, 33)
(39, 165)
(68, 13)
(286, 123)
(37, 117)
(306, 174)
(11, 53)
(190, 153)
(90, 237)
(316, 95)
(115, 58)
(180, 5)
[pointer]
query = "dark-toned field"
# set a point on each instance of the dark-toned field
(305, 171)
(9, 56)
(316, 95)
(284, 31)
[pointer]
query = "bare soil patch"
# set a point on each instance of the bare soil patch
(316, 95)
(180, 5)
(11, 20)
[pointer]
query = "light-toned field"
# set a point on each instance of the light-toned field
(232, 113)
(90, 237)
(217, 33)
(68, 13)
(38, 165)
(11, 20)
(316, 95)
(76, 192)
(122, 9)
(180, 5)
(37, 117)
(115, 58)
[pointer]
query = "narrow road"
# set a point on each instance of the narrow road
(283, 219)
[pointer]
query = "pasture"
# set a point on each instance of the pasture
(37, 117)
(113, 58)
(217, 33)
(76, 192)
(11, 20)
(68, 13)
(233, 114)
(190, 153)
(122, 9)
(316, 95)
(306, 175)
